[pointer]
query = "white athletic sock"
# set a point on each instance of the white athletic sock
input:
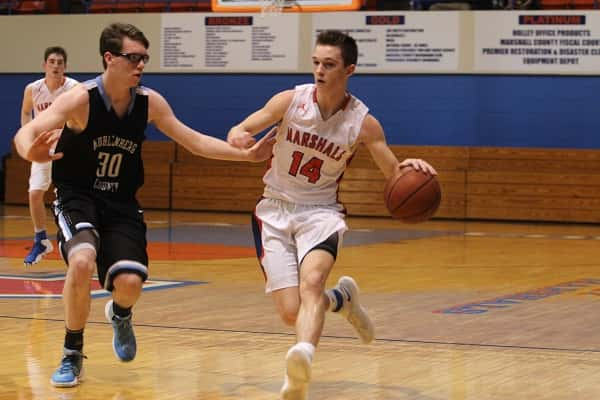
(307, 348)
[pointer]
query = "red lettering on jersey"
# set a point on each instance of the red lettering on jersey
(339, 157)
(42, 106)
(335, 156)
(321, 144)
(296, 137)
(327, 151)
(305, 138)
(313, 141)
(332, 155)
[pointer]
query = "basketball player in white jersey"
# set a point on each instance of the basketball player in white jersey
(298, 223)
(37, 97)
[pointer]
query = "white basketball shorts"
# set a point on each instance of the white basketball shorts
(285, 232)
(40, 176)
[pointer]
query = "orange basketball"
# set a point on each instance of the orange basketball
(412, 196)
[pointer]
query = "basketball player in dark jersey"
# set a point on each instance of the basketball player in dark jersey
(97, 170)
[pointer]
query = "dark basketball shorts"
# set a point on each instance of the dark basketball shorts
(116, 230)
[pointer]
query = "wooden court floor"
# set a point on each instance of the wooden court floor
(463, 310)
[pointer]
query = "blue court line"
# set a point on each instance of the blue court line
(96, 293)
(241, 235)
(380, 340)
(37, 275)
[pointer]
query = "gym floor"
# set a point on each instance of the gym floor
(463, 310)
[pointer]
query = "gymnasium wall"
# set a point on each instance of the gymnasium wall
(508, 146)
(465, 108)
(441, 110)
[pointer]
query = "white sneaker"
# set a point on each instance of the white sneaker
(353, 311)
(297, 375)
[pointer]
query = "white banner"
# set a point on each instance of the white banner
(537, 42)
(399, 42)
(512, 42)
(230, 42)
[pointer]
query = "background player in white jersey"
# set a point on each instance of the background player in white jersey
(298, 224)
(37, 97)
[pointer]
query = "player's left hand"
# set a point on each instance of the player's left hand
(42, 148)
(263, 149)
(419, 165)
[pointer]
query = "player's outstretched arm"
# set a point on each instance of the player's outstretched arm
(162, 116)
(37, 137)
(242, 134)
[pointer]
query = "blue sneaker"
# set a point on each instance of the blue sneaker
(39, 249)
(124, 344)
(70, 371)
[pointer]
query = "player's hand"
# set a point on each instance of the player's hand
(240, 139)
(263, 149)
(42, 148)
(419, 165)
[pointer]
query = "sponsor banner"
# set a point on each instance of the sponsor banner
(399, 42)
(514, 42)
(537, 42)
(229, 43)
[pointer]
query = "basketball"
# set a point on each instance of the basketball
(412, 196)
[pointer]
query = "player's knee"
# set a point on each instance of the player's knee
(81, 247)
(288, 308)
(313, 283)
(81, 267)
(125, 276)
(127, 282)
(289, 315)
(36, 195)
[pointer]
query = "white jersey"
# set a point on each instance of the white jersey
(310, 154)
(42, 96)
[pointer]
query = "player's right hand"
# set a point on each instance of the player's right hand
(42, 148)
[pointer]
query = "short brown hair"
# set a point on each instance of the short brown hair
(55, 50)
(344, 42)
(111, 38)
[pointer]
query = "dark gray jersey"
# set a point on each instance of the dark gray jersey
(106, 157)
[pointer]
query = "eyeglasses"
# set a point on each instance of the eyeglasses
(133, 58)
